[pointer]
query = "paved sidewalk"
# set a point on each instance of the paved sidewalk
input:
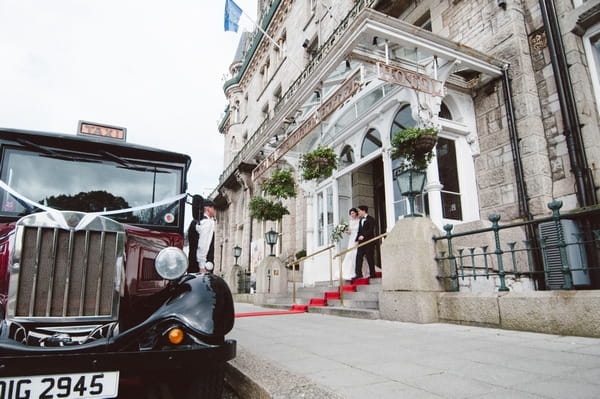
(333, 356)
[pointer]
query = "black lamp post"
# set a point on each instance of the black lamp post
(410, 183)
(271, 238)
(237, 252)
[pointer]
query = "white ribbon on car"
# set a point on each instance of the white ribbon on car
(59, 218)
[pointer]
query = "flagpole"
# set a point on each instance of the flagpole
(272, 40)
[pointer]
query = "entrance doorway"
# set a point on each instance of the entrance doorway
(368, 189)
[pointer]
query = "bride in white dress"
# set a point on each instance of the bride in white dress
(350, 257)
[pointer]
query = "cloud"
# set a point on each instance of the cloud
(153, 67)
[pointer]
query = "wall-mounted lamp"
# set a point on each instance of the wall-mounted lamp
(271, 239)
(306, 43)
(410, 184)
(347, 64)
(237, 252)
(375, 41)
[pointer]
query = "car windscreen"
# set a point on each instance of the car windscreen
(90, 184)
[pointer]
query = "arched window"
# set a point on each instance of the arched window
(371, 142)
(346, 157)
(445, 112)
(402, 120)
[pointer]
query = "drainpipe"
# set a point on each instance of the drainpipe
(514, 145)
(584, 183)
(531, 233)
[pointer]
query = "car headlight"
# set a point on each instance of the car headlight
(171, 263)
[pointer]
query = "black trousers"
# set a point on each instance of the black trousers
(367, 251)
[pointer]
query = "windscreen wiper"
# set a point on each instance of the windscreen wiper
(53, 154)
(126, 165)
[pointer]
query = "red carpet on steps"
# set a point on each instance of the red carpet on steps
(333, 295)
(317, 302)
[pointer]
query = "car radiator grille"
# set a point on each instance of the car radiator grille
(63, 273)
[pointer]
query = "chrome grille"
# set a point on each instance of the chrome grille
(60, 272)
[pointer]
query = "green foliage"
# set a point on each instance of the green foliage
(318, 164)
(415, 146)
(263, 209)
(91, 201)
(300, 254)
(281, 184)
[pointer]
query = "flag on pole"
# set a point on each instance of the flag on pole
(232, 15)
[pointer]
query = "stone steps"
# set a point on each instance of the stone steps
(361, 303)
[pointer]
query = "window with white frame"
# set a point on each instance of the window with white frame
(264, 71)
(236, 112)
(277, 94)
(312, 6)
(371, 142)
(324, 215)
(591, 41)
(448, 177)
(281, 48)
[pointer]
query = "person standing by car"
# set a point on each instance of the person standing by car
(193, 234)
(206, 238)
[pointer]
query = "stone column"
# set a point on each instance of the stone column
(271, 279)
(409, 284)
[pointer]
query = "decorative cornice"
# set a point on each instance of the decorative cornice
(586, 20)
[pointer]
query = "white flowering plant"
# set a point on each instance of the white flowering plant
(338, 231)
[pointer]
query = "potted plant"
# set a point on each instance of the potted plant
(263, 209)
(281, 184)
(415, 146)
(319, 163)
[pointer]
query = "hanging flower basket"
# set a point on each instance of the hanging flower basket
(414, 146)
(318, 164)
(281, 184)
(263, 209)
(424, 144)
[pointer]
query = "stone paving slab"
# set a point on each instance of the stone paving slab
(357, 358)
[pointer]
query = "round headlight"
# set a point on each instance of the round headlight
(171, 263)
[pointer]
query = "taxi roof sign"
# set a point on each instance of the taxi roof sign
(101, 130)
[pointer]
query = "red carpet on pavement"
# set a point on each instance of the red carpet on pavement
(269, 313)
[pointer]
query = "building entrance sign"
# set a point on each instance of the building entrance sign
(345, 91)
(410, 79)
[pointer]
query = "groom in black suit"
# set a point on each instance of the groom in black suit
(366, 231)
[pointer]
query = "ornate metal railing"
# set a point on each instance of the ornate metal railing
(555, 252)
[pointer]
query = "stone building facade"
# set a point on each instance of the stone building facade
(512, 86)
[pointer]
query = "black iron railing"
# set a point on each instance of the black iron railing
(560, 251)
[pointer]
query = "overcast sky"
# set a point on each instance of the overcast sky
(154, 67)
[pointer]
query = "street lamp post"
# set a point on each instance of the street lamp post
(410, 183)
(271, 238)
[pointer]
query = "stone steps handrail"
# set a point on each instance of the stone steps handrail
(296, 262)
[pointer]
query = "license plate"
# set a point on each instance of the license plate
(103, 384)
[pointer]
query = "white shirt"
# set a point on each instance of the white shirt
(205, 229)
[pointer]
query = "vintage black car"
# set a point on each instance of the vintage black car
(95, 300)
